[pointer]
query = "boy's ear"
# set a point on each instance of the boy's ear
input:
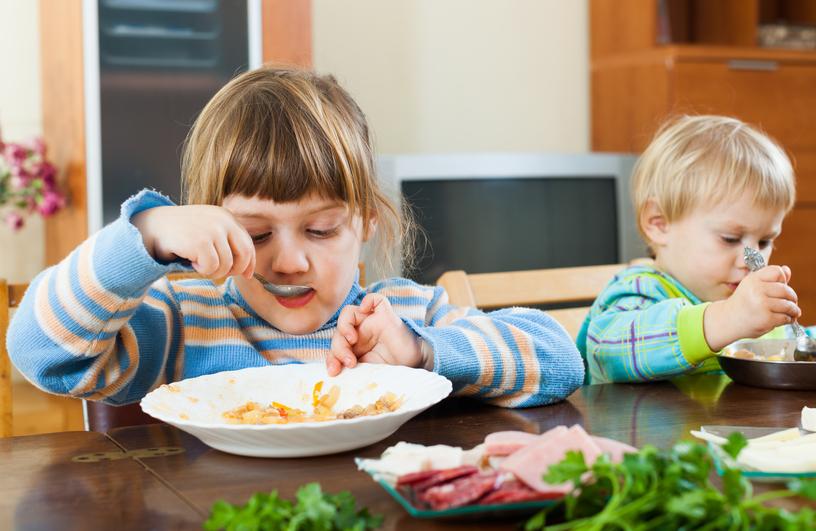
(653, 223)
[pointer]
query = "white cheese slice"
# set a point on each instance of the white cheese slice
(809, 418)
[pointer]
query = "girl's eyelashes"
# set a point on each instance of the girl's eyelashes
(322, 234)
(260, 238)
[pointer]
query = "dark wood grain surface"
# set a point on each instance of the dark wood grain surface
(657, 413)
(43, 487)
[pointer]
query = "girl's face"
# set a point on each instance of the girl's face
(314, 242)
(704, 249)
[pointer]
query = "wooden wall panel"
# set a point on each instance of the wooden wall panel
(793, 249)
(63, 121)
(628, 103)
(621, 26)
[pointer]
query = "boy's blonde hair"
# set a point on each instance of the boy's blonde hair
(703, 160)
(282, 134)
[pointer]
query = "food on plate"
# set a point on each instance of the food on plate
(322, 409)
(784, 451)
(507, 467)
(745, 354)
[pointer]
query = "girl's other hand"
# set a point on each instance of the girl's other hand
(372, 333)
(761, 302)
(216, 245)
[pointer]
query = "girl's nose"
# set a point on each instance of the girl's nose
(289, 258)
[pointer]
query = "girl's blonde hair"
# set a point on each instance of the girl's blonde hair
(696, 161)
(282, 134)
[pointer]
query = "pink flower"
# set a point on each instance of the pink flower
(18, 182)
(51, 202)
(15, 154)
(14, 221)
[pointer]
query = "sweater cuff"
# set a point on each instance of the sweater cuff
(121, 260)
(691, 334)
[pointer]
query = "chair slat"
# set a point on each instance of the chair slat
(542, 286)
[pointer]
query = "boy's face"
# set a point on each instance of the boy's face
(704, 249)
(314, 242)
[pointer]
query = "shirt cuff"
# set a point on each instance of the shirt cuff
(691, 334)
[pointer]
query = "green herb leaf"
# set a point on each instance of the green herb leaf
(803, 487)
(570, 469)
(734, 444)
(314, 511)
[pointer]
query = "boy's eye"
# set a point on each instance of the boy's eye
(322, 233)
(260, 238)
(730, 240)
(764, 244)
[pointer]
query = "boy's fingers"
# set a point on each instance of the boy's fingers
(787, 271)
(778, 290)
(786, 307)
(772, 273)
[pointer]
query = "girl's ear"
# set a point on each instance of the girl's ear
(653, 223)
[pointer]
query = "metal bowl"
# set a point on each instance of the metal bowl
(789, 374)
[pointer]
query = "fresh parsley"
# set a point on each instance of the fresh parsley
(314, 510)
(667, 489)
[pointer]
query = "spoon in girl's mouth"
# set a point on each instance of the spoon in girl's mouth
(281, 290)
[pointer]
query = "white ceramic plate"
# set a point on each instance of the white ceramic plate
(196, 405)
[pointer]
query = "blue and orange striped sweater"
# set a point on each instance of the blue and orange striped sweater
(106, 324)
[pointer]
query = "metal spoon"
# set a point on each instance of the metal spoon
(805, 345)
(281, 290)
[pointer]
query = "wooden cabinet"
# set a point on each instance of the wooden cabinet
(651, 59)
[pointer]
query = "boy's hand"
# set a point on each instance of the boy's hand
(208, 236)
(761, 302)
(372, 332)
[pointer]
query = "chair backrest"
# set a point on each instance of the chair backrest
(558, 286)
(10, 296)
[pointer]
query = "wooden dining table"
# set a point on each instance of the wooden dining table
(159, 477)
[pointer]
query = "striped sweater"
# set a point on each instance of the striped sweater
(107, 324)
(646, 325)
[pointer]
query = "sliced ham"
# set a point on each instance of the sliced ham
(506, 442)
(615, 449)
(531, 462)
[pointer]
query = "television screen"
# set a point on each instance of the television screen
(508, 224)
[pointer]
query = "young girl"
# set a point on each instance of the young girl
(279, 177)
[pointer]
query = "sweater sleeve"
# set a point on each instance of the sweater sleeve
(637, 333)
(103, 323)
(515, 357)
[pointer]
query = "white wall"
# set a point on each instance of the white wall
(462, 75)
(22, 254)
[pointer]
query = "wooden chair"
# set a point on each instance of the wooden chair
(559, 286)
(10, 296)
